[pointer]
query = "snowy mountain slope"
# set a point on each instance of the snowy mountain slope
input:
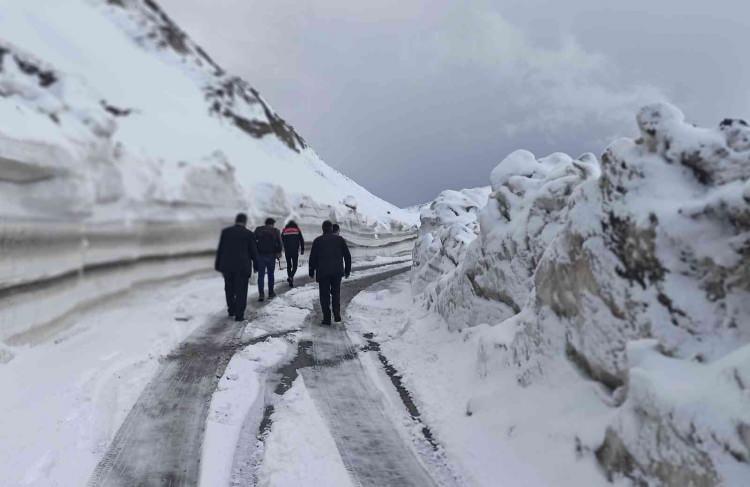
(122, 140)
(635, 273)
(118, 85)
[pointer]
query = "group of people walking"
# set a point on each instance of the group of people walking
(242, 252)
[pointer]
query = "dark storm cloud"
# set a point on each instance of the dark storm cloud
(412, 96)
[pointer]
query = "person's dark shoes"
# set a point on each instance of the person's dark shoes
(337, 318)
(261, 298)
(325, 323)
(239, 318)
(271, 295)
(230, 314)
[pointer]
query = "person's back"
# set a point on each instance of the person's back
(235, 252)
(235, 259)
(330, 255)
(330, 260)
(294, 245)
(268, 240)
(292, 238)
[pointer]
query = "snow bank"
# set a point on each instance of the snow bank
(448, 225)
(587, 258)
(684, 423)
(492, 430)
(527, 205)
(122, 141)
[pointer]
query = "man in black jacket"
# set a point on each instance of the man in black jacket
(235, 259)
(330, 260)
(268, 239)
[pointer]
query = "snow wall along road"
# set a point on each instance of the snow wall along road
(124, 149)
(635, 272)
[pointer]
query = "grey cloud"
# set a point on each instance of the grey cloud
(412, 96)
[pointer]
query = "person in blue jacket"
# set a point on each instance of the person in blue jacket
(268, 240)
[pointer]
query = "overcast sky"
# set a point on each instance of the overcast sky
(409, 97)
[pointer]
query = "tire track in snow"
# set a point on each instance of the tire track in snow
(160, 440)
(373, 451)
(370, 445)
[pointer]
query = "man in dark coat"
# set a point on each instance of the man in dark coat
(235, 259)
(268, 239)
(330, 260)
(294, 245)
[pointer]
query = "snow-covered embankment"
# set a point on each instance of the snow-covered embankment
(633, 272)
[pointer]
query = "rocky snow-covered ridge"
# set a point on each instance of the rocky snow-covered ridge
(635, 271)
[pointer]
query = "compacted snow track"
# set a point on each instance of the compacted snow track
(160, 441)
(353, 408)
(374, 452)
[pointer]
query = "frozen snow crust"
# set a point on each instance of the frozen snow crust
(634, 270)
(122, 142)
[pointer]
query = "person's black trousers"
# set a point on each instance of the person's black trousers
(292, 259)
(330, 291)
(235, 289)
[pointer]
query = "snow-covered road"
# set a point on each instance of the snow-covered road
(168, 434)
(368, 442)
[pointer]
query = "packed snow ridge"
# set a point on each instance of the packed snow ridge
(635, 271)
(122, 139)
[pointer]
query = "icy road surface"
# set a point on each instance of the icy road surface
(161, 442)
(370, 446)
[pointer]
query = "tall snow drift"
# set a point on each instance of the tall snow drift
(637, 273)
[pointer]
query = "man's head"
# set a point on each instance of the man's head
(240, 219)
(336, 228)
(270, 221)
(327, 226)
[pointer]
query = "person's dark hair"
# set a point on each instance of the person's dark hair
(291, 224)
(240, 218)
(336, 228)
(327, 226)
(270, 221)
